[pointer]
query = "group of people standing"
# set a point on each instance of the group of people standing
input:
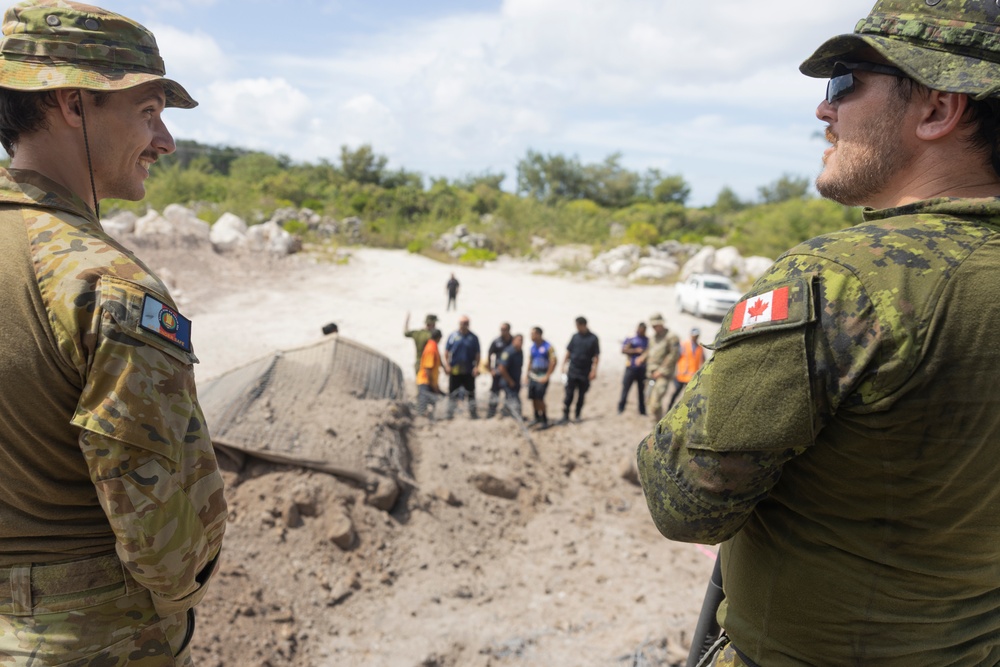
(661, 362)
(462, 362)
(653, 365)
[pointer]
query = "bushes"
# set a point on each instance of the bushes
(562, 200)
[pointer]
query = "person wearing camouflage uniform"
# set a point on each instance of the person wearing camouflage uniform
(843, 442)
(111, 509)
(661, 358)
(420, 336)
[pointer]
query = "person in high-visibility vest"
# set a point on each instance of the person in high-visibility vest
(690, 358)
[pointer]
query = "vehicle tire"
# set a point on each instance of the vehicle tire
(680, 305)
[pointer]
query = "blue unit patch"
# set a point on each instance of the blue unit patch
(165, 322)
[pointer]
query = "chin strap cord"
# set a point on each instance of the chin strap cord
(90, 166)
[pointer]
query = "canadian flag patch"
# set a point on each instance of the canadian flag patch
(767, 307)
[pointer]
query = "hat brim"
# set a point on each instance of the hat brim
(29, 76)
(936, 69)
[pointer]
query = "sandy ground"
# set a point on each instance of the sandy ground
(569, 571)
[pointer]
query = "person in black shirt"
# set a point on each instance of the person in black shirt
(499, 344)
(452, 288)
(509, 367)
(580, 367)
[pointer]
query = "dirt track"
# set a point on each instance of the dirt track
(569, 572)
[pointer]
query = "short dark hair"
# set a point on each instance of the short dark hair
(435, 334)
(581, 320)
(24, 112)
(982, 115)
(21, 113)
(538, 329)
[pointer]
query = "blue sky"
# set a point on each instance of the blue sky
(709, 90)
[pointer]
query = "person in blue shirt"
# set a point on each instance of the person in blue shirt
(541, 364)
(634, 349)
(461, 363)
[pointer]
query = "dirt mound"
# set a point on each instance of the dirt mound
(493, 557)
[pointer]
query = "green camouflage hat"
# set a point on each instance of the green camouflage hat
(50, 44)
(947, 45)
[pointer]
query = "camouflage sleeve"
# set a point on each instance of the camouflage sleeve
(669, 364)
(149, 453)
(760, 401)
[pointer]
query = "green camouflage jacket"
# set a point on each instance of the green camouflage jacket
(102, 443)
(844, 442)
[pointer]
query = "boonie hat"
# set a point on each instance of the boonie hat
(51, 44)
(947, 45)
(431, 318)
(655, 319)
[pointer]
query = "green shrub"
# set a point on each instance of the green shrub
(296, 227)
(477, 256)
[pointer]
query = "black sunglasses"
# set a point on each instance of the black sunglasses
(842, 81)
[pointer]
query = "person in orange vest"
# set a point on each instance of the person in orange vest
(690, 359)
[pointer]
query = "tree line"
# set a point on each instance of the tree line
(557, 197)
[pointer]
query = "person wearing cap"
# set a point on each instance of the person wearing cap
(661, 358)
(690, 358)
(843, 441)
(111, 509)
(419, 336)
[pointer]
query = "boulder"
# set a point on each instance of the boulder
(701, 263)
(620, 267)
(120, 224)
(229, 233)
(728, 262)
(185, 223)
(272, 237)
(754, 267)
(152, 224)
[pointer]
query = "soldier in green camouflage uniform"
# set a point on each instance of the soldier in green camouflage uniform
(843, 442)
(111, 507)
(661, 360)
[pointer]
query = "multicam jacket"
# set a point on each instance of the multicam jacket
(102, 444)
(844, 444)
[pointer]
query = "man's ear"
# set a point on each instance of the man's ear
(941, 114)
(68, 104)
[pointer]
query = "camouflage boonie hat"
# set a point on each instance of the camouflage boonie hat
(51, 44)
(947, 45)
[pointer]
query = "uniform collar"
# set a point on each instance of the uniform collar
(988, 207)
(25, 187)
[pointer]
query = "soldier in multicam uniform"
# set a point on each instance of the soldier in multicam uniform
(661, 358)
(843, 443)
(111, 508)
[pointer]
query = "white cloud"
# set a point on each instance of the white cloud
(709, 89)
(258, 111)
(190, 57)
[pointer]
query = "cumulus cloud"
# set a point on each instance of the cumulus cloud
(190, 57)
(682, 86)
(260, 111)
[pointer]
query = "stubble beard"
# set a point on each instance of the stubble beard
(865, 164)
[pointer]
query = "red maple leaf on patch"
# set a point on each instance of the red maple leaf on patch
(757, 309)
